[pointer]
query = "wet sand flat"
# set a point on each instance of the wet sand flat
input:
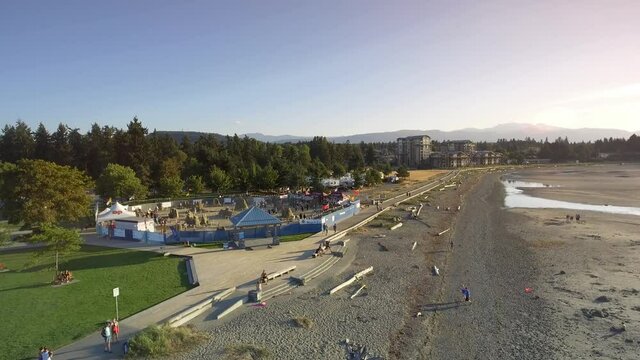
(611, 184)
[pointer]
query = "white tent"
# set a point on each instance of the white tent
(116, 212)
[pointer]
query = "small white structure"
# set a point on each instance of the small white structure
(330, 182)
(115, 212)
(138, 224)
(347, 181)
(118, 217)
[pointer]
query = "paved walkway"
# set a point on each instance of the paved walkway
(217, 270)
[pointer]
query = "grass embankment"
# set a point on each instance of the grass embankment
(285, 238)
(34, 313)
(156, 341)
(296, 237)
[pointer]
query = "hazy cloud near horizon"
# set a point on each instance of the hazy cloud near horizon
(321, 68)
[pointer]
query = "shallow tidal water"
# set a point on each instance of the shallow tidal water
(515, 198)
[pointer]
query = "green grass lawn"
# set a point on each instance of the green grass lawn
(295, 237)
(33, 313)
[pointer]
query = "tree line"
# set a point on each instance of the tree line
(562, 150)
(135, 163)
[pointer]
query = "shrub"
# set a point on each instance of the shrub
(303, 322)
(164, 340)
(245, 352)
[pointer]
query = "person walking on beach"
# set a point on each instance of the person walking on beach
(466, 293)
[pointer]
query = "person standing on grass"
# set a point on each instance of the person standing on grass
(466, 293)
(106, 335)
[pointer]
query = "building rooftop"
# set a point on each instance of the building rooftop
(254, 216)
(414, 137)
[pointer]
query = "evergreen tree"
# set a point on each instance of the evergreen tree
(42, 144)
(61, 148)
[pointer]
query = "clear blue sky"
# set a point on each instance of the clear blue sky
(320, 67)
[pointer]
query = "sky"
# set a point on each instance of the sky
(327, 68)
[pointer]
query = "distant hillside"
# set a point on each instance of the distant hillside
(192, 135)
(502, 131)
(277, 138)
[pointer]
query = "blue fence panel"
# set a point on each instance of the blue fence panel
(102, 230)
(155, 237)
(296, 228)
(342, 214)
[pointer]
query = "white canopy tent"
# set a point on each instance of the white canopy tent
(116, 212)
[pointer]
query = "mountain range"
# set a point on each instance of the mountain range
(492, 134)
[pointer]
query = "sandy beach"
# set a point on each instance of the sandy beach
(589, 271)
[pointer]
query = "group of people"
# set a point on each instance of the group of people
(45, 353)
(569, 218)
(110, 333)
(325, 228)
(64, 277)
(322, 248)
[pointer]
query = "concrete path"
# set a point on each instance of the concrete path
(217, 270)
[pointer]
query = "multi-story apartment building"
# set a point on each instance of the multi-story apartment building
(414, 151)
(466, 146)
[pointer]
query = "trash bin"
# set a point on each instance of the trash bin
(255, 296)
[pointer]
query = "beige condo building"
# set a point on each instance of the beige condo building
(414, 151)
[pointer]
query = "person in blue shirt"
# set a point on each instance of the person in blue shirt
(466, 293)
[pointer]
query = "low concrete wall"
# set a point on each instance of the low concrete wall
(276, 274)
(233, 306)
(197, 309)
